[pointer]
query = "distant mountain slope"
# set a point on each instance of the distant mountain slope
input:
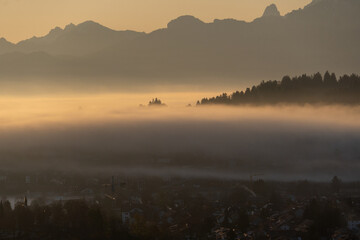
(6, 46)
(322, 36)
(85, 38)
(271, 11)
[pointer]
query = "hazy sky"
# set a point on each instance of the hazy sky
(21, 19)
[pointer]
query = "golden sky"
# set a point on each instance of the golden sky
(21, 19)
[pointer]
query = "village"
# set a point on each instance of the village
(179, 208)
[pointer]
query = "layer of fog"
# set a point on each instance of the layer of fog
(282, 142)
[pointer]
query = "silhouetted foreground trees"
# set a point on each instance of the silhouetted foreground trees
(189, 209)
(315, 89)
(75, 219)
(325, 217)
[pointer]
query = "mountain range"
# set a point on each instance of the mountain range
(323, 35)
(75, 40)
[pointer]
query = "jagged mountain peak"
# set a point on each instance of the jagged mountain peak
(3, 40)
(55, 30)
(90, 24)
(69, 26)
(185, 21)
(271, 11)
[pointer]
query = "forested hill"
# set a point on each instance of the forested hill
(304, 89)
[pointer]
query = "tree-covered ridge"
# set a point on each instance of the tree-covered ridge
(315, 89)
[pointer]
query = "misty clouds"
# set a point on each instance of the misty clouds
(283, 142)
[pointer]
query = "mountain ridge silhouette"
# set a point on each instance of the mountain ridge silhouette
(80, 39)
(321, 36)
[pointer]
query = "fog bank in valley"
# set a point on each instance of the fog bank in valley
(281, 142)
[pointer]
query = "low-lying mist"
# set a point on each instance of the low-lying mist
(112, 134)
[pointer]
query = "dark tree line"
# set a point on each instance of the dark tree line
(314, 89)
(325, 216)
(75, 219)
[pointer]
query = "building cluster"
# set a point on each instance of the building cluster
(176, 208)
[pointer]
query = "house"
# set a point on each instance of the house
(342, 234)
(299, 213)
(353, 225)
(285, 227)
(304, 226)
(125, 217)
(87, 191)
(129, 216)
(221, 233)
